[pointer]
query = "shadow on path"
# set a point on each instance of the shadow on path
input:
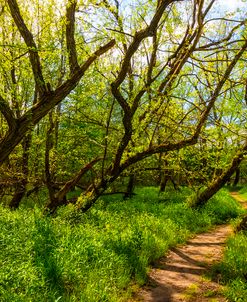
(182, 269)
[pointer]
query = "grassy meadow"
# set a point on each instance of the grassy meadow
(104, 254)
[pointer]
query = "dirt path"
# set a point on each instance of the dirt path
(239, 199)
(180, 276)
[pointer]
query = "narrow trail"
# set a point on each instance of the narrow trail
(239, 198)
(181, 275)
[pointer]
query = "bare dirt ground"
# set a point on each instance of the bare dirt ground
(239, 199)
(182, 274)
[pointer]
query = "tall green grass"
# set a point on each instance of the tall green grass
(233, 267)
(99, 255)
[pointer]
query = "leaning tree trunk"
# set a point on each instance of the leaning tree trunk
(59, 198)
(22, 185)
(237, 177)
(221, 180)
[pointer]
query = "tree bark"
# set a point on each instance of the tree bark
(48, 147)
(237, 177)
(22, 185)
(130, 186)
(221, 180)
(59, 198)
(19, 127)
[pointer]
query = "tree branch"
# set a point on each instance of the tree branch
(193, 139)
(220, 181)
(7, 113)
(46, 103)
(32, 48)
(71, 183)
(149, 31)
(70, 35)
(227, 38)
(139, 36)
(218, 88)
(49, 101)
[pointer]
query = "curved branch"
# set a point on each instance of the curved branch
(7, 113)
(71, 183)
(46, 103)
(149, 31)
(32, 48)
(193, 139)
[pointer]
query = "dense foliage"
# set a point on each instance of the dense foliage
(94, 91)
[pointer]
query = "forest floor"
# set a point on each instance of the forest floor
(184, 274)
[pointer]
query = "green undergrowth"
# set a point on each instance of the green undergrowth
(233, 267)
(243, 192)
(100, 255)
